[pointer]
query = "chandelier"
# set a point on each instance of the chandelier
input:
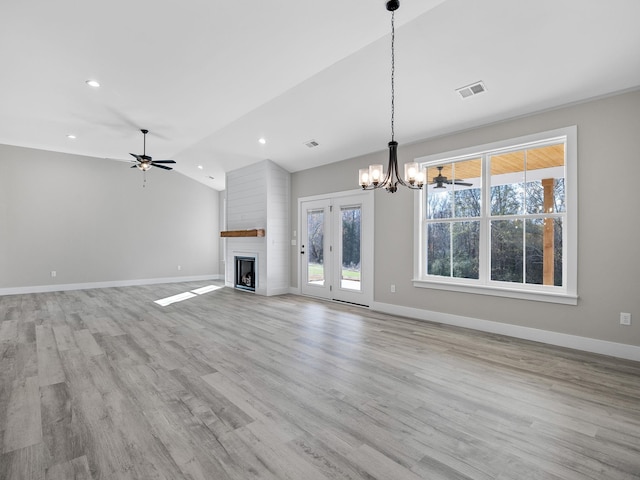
(374, 176)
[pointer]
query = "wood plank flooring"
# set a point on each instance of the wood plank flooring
(106, 384)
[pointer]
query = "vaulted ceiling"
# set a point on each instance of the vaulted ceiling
(208, 78)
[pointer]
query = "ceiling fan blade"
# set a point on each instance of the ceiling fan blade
(459, 181)
(164, 161)
(161, 166)
(137, 156)
(134, 166)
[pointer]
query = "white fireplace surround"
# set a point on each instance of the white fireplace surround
(257, 197)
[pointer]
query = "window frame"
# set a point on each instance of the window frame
(566, 294)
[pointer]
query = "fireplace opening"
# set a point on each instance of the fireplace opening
(246, 273)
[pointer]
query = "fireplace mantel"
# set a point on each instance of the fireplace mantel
(259, 232)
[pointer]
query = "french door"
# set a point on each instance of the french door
(336, 247)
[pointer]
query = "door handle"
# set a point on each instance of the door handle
(302, 251)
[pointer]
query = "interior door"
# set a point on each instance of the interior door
(337, 248)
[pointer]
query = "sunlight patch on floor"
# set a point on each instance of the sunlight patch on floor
(163, 302)
(207, 289)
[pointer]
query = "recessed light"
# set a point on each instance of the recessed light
(71, 136)
(262, 141)
(200, 167)
(93, 83)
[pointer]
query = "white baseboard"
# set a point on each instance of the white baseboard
(114, 283)
(278, 291)
(620, 350)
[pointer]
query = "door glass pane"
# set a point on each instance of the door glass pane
(315, 247)
(350, 277)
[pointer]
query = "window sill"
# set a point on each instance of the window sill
(537, 296)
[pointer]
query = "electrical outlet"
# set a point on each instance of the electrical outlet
(625, 318)
(393, 289)
(53, 273)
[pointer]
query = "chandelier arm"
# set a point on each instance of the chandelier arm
(408, 185)
(388, 177)
(404, 183)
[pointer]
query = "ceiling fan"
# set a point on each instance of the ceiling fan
(441, 180)
(144, 162)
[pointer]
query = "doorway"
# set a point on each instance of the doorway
(336, 247)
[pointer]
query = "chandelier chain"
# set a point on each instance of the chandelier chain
(374, 176)
(393, 74)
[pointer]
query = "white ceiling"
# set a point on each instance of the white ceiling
(209, 77)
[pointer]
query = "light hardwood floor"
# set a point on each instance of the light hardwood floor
(105, 384)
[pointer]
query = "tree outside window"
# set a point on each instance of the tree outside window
(507, 207)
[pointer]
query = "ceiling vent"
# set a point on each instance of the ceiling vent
(471, 90)
(311, 143)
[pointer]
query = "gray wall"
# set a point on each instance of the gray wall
(608, 225)
(91, 220)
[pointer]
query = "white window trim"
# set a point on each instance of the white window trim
(565, 295)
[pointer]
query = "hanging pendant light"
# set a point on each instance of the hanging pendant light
(374, 176)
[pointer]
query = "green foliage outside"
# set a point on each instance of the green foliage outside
(351, 238)
(516, 243)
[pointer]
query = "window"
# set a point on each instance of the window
(500, 219)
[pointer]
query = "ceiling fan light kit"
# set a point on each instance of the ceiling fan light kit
(374, 176)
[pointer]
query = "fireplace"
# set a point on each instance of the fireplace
(245, 275)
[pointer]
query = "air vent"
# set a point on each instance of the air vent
(471, 90)
(311, 143)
